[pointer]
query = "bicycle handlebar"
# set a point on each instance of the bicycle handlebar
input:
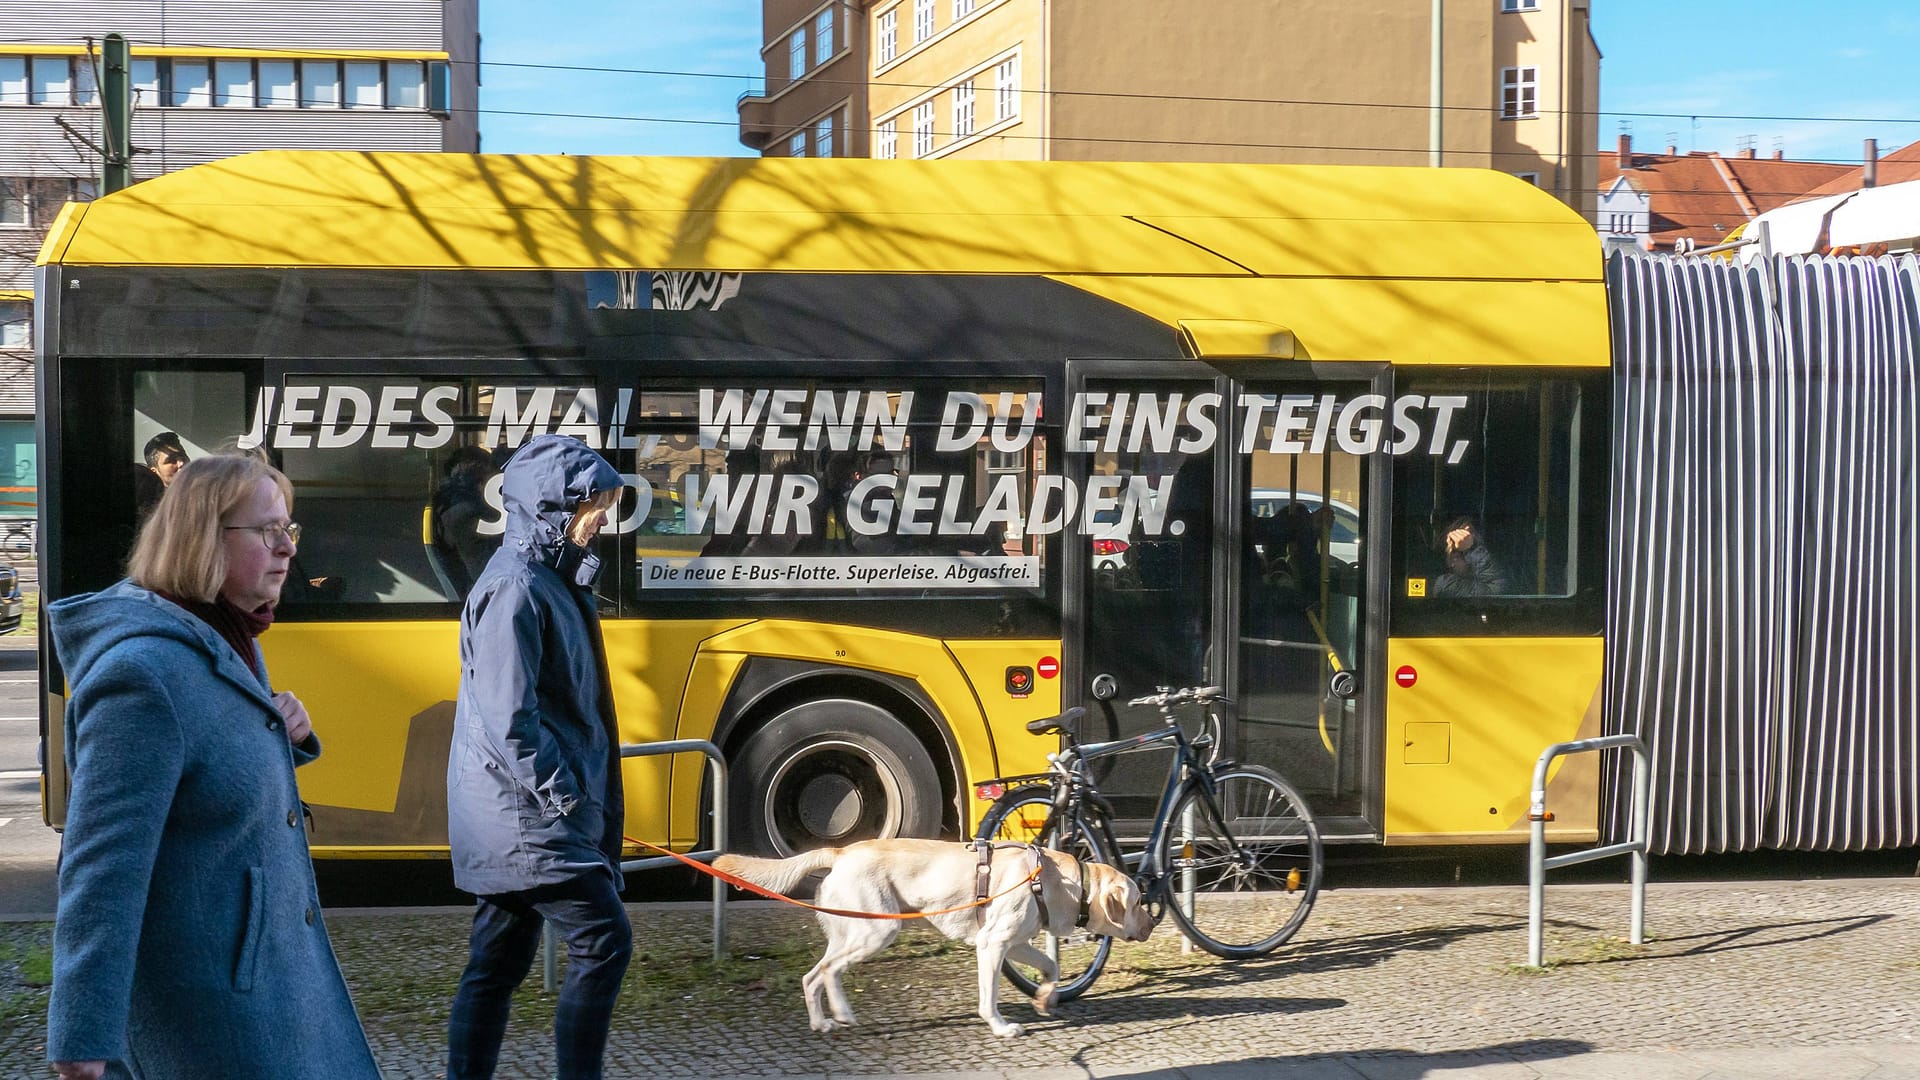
(1186, 695)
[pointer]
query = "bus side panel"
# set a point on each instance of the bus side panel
(651, 664)
(381, 697)
(922, 660)
(1016, 751)
(1463, 739)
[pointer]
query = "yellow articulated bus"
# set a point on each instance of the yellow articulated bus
(918, 452)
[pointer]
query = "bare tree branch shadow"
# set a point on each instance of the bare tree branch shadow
(1383, 1064)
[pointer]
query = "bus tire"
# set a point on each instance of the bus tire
(828, 773)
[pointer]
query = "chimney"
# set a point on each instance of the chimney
(1749, 153)
(1625, 159)
(1672, 150)
(1870, 166)
(1779, 155)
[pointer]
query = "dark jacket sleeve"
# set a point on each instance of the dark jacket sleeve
(1483, 576)
(127, 760)
(506, 657)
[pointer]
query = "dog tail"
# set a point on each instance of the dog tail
(780, 875)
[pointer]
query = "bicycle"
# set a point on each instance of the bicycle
(17, 542)
(1233, 851)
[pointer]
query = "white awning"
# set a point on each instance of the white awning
(1886, 215)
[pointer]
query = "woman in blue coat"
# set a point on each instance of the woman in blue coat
(534, 802)
(188, 940)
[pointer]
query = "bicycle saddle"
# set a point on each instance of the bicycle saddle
(1055, 725)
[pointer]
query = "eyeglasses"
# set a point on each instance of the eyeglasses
(270, 533)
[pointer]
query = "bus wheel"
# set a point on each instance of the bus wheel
(829, 773)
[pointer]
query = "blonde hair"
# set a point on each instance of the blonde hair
(180, 549)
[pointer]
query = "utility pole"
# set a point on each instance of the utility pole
(1437, 92)
(116, 101)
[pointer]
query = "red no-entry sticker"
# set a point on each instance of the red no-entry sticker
(1048, 667)
(1406, 676)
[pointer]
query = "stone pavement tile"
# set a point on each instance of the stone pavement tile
(1478, 1066)
(1905, 1055)
(1304, 1067)
(1614, 1064)
(1825, 1062)
(1143, 1071)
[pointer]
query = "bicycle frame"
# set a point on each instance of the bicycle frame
(1185, 769)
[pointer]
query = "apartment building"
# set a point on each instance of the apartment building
(211, 78)
(1228, 80)
(815, 104)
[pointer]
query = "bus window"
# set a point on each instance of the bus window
(179, 416)
(854, 489)
(1503, 519)
(396, 479)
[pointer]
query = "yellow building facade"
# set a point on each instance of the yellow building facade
(1237, 80)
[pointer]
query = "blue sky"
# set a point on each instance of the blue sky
(1817, 77)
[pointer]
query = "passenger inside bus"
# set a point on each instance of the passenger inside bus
(459, 506)
(1472, 569)
(164, 457)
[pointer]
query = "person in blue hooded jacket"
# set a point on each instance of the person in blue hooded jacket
(188, 940)
(534, 800)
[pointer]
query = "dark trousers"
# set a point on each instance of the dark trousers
(506, 934)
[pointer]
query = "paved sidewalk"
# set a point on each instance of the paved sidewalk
(1815, 978)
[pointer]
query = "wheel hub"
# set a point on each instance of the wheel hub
(829, 806)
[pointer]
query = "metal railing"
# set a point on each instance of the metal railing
(717, 770)
(1636, 845)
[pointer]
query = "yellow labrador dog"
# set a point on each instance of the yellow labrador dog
(935, 876)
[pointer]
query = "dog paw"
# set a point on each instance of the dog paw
(1044, 1003)
(824, 1026)
(1008, 1030)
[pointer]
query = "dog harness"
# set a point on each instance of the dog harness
(983, 878)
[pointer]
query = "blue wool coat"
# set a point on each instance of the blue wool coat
(188, 940)
(533, 775)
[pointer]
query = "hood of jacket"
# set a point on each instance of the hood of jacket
(86, 627)
(542, 484)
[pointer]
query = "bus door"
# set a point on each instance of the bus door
(1300, 609)
(1141, 448)
(1223, 539)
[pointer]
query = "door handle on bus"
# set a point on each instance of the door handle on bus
(1343, 684)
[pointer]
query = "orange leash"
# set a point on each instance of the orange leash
(748, 886)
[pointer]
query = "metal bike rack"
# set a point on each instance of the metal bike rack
(1636, 845)
(717, 771)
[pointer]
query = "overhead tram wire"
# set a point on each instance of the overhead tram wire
(1421, 106)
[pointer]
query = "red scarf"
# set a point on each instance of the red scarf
(236, 627)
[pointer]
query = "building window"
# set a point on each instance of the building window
(191, 84)
(319, 84)
(1530, 177)
(922, 20)
(797, 145)
(233, 83)
(14, 211)
(962, 9)
(1006, 89)
(145, 80)
(13, 80)
(823, 36)
(886, 43)
(886, 140)
(963, 110)
(362, 85)
(923, 129)
(797, 54)
(277, 88)
(1519, 5)
(823, 136)
(16, 324)
(52, 81)
(84, 90)
(1519, 93)
(406, 84)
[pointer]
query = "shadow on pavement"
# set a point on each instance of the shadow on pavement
(1746, 937)
(1385, 1064)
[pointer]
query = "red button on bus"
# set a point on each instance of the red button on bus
(1048, 667)
(1406, 676)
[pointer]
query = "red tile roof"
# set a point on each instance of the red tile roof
(1703, 196)
(1899, 166)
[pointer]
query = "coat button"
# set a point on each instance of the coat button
(309, 916)
(293, 818)
(273, 725)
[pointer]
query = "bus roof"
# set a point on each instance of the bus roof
(1262, 238)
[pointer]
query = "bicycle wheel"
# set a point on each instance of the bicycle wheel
(1021, 816)
(1241, 897)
